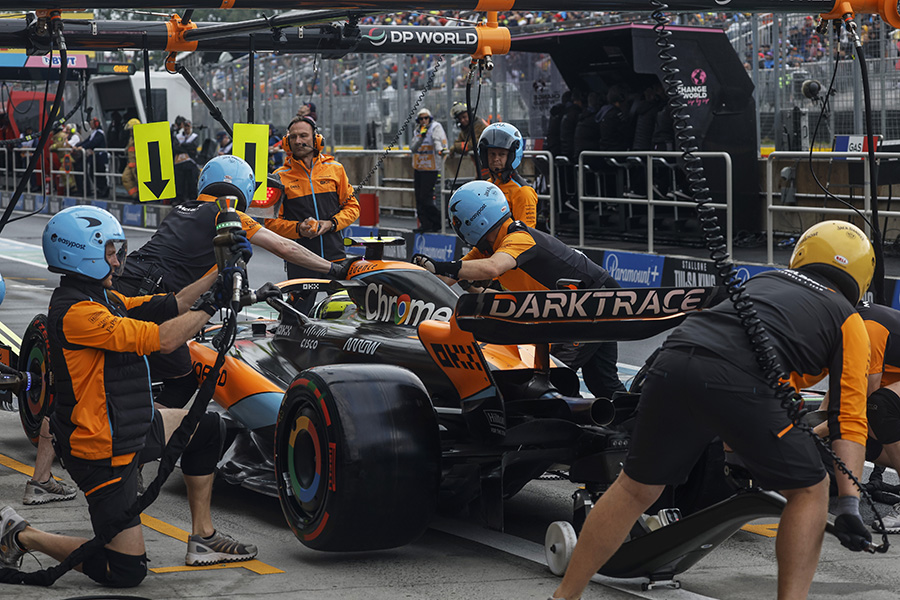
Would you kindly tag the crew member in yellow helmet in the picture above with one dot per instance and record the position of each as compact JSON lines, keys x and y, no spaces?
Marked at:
{"x":705,"y":382}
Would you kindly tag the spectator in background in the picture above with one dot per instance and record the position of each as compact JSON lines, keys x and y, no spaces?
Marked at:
{"x":568,"y":123}
{"x":644,"y":111}
{"x":429,"y":145}
{"x":308,"y":109}
{"x":587,"y":128}
{"x":615,"y":133}
{"x":276,"y":152}
{"x":93,"y":163}
{"x":224,"y":143}
{"x":553,"y":143}
{"x":464,"y":142}
{"x":186,"y":169}
{"x":129,"y":175}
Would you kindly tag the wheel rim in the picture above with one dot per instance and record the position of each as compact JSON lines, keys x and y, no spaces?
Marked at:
{"x":306,"y":465}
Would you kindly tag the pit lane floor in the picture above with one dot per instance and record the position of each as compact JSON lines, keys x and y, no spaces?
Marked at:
{"x":456,"y":558}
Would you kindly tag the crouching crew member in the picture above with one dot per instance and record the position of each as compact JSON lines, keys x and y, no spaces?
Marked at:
{"x":319,"y":200}
{"x":181,"y":251}
{"x":523,"y":258}
{"x":706,"y":382}
{"x":105,"y":422}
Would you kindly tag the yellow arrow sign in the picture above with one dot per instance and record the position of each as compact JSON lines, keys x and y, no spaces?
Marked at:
{"x":155,"y":167}
{"x":251,"y":142}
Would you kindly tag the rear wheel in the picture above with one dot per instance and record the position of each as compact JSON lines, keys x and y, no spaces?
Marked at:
{"x":357,"y":457}
{"x":37,"y":402}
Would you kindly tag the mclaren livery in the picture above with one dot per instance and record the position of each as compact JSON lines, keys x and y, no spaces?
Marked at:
{"x":396,"y":397}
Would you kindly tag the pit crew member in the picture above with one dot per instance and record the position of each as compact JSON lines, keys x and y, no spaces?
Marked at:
{"x":523,"y":258}
{"x":705,"y":381}
{"x":501,"y":148}
{"x":181,"y":251}
{"x":105,"y":423}
{"x":460,"y":113}
{"x":319,"y":200}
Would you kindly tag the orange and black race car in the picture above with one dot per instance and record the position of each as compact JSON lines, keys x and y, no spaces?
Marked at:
{"x":373,"y":401}
{"x":396,"y":396}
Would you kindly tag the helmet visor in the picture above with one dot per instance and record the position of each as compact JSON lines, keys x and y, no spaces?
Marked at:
{"x":116,"y":253}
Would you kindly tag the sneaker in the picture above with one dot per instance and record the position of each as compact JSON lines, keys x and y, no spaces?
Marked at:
{"x":891,"y":521}
{"x":11,"y":523}
{"x":49,"y":491}
{"x":217,"y":549}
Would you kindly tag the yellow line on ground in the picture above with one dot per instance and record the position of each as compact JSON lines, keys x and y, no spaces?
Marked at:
{"x":164,"y":528}
{"x":11,"y":334}
{"x":256,"y":566}
{"x":769,"y":530}
{"x":16,"y":465}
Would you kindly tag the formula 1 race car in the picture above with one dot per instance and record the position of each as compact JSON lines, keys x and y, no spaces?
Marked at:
{"x":395,"y":396}
{"x":370,"y":403}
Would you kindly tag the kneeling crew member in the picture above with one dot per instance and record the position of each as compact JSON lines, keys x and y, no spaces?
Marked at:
{"x":706,"y":382}
{"x":501,"y":148}
{"x":181,"y":251}
{"x":105,"y":422}
{"x":523,"y":258}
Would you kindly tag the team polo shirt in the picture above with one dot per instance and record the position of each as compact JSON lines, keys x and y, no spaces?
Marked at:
{"x":521,"y":197}
{"x":541,"y":260}
{"x":883,"y":326}
{"x":182,"y":249}
{"x":813,"y":329}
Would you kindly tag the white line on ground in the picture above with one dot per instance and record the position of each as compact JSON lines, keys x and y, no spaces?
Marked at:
{"x":535,"y":553}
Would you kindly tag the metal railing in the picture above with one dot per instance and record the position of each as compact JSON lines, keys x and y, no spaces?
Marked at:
{"x":646,"y":158}
{"x":858,"y":157}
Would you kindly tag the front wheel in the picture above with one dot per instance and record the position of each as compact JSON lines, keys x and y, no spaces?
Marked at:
{"x":37,"y":402}
{"x":357,"y":457}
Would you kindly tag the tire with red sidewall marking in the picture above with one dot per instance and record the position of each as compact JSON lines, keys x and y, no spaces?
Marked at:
{"x":34,"y":356}
{"x":357,"y":457}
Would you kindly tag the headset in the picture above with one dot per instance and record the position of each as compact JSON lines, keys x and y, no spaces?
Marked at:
{"x":318,"y":139}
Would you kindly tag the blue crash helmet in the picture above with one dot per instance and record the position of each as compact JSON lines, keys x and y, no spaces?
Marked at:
{"x":2,"y":289}
{"x":228,"y":175}
{"x":475,"y":209}
{"x":75,"y":239}
{"x":506,"y":136}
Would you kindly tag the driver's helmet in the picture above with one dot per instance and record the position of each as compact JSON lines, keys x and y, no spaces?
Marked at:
{"x":333,"y":306}
{"x":475,"y":209}
{"x":228,"y":175}
{"x":75,"y":239}
{"x":506,"y":136}
{"x":131,"y":123}
{"x":837,"y":249}
{"x":458,"y":109}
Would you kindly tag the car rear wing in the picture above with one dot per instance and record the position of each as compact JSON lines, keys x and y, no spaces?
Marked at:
{"x":579,"y":315}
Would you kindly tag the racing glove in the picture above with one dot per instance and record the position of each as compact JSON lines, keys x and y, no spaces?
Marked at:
{"x":340,"y":269}
{"x":851,"y":532}
{"x":215,"y":297}
{"x":447,"y":269}
{"x":241,"y":246}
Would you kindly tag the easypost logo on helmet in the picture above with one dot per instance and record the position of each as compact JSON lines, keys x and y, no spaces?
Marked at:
{"x":476,"y":215}
{"x":71,"y":244}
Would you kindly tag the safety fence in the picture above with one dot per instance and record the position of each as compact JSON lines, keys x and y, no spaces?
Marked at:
{"x":816,"y":206}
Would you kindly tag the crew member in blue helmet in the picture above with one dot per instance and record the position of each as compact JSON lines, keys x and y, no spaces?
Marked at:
{"x":501,"y":149}
{"x":523,"y":258}
{"x":104,"y":420}
{"x":181,"y":250}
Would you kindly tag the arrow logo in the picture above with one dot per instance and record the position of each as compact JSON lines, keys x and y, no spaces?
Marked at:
{"x":156,"y":184}
{"x":250,"y":157}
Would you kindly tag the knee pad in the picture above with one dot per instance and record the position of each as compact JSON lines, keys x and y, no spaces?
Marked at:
{"x":873,"y":449}
{"x":883,"y":413}
{"x":205,"y":448}
{"x":114,"y":569}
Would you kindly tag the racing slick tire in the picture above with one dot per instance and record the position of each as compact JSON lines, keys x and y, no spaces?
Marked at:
{"x":34,"y":356}
{"x":357,"y":457}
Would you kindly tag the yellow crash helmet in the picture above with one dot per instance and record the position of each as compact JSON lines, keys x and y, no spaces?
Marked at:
{"x":840,"y":245}
{"x":131,"y":123}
